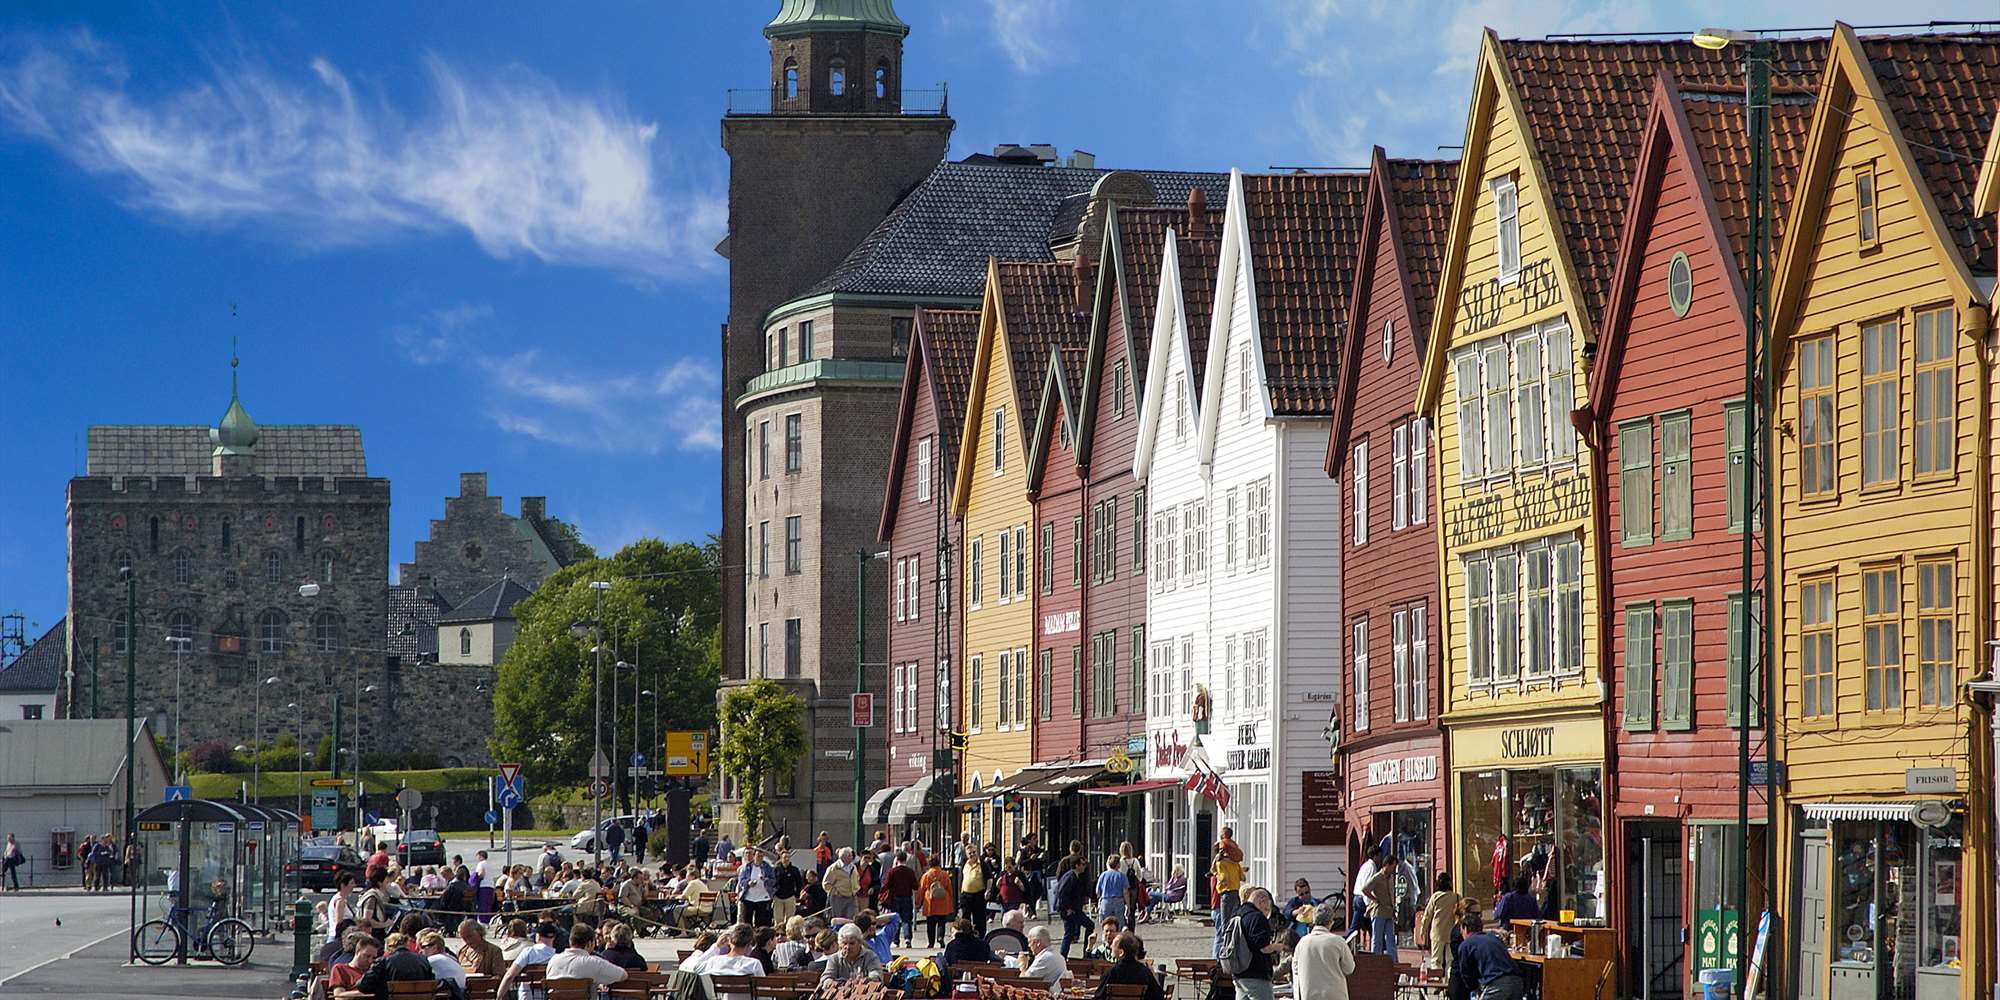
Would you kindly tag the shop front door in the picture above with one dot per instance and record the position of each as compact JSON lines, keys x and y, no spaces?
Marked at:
{"x":1810,"y":974}
{"x":1204,"y":848}
{"x":1658,"y":938}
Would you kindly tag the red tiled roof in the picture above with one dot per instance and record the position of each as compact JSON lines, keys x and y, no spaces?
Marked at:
{"x":1942,"y":91}
{"x":1716,"y":119}
{"x":1142,"y":236}
{"x":1423,"y":192}
{"x":1043,"y":311}
{"x":1073,"y":359}
{"x":1305,"y":234}
{"x":953,"y":337}
{"x":1199,"y":255}
{"x":1585,"y":105}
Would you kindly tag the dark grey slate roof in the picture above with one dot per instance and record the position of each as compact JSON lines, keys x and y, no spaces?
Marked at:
{"x":40,"y":668}
{"x":412,"y":623}
{"x":181,"y":450}
{"x":936,"y":241}
{"x":495,"y":603}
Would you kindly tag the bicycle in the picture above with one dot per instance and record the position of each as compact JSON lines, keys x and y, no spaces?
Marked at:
{"x":224,"y":939}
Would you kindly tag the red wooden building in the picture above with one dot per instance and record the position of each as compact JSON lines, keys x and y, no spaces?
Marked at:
{"x":1665,"y":411}
{"x":1391,"y":747}
{"x":922,"y":539}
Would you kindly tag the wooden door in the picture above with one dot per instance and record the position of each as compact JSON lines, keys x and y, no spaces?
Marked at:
{"x":1810,"y":970}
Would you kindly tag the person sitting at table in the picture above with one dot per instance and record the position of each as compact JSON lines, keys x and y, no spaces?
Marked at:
{"x":854,"y":960}
{"x":965,"y":946}
{"x":736,"y":960}
{"x":1323,"y":961}
{"x":433,"y":881}
{"x":431,"y":945}
{"x":791,"y":949}
{"x":340,"y":948}
{"x":514,"y":938}
{"x":455,"y":895}
{"x":812,"y":898}
{"x":880,"y":933}
{"x":1042,"y":961}
{"x":411,"y":925}
{"x":1129,"y":969}
{"x":578,"y":963}
{"x":704,"y":947}
{"x":363,"y":950}
{"x":824,"y":943}
{"x":760,"y":949}
{"x":477,"y":955}
{"x":614,"y":944}
{"x":1104,"y":947}
{"x":538,"y":953}
{"x":1302,"y":898}
{"x":398,"y":964}
{"x":1487,"y":970}
{"x":690,"y":915}
{"x":1520,"y":904}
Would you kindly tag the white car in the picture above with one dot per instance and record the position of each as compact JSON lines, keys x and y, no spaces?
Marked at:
{"x":385,"y":832}
{"x":582,"y":840}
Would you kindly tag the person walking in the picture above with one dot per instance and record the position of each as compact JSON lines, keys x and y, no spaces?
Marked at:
{"x":789,"y":881}
{"x":83,"y":861}
{"x":756,"y":885}
{"x":1254,"y":982}
{"x":1072,"y":896}
{"x":1434,"y":926}
{"x":972,"y":881}
{"x":614,"y":838}
{"x":842,"y":881}
{"x":1226,"y":883}
{"x":11,"y":860}
{"x":1380,"y":892}
{"x":1112,"y":887}
{"x":899,"y":895}
{"x":1323,"y":961}
{"x":340,"y":909}
{"x":940,"y":901}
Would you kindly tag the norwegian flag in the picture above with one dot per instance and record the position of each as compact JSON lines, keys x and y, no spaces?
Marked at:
{"x":1221,"y":795}
{"x":1193,"y":782}
{"x":1209,"y":783}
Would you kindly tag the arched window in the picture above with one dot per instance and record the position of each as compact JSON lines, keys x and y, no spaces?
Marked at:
{"x":791,"y":79}
{"x":153,"y":534}
{"x":225,"y":539}
{"x":882,"y":79}
{"x":465,"y":642}
{"x":299,"y":534}
{"x":271,"y":631}
{"x":274,"y":567}
{"x":325,"y":565}
{"x":836,"y":77}
{"x":180,"y":625}
{"x":183,"y":568}
{"x":326,"y":632}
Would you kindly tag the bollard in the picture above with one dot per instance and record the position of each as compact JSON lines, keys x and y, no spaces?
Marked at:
{"x":302,"y":932}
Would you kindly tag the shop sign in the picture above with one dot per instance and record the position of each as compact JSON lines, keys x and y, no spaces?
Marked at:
{"x":1397,"y":770}
{"x":1249,"y":760}
{"x":1930,"y":780}
{"x":1058,"y":622}
{"x":1532,"y":505}
{"x":1246,"y":734}
{"x":1168,"y":750}
{"x":1568,"y":737}
{"x":1527,"y":742}
{"x":1319,"y":809}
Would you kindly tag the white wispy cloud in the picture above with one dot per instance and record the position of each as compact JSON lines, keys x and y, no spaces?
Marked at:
{"x":648,"y":410}
{"x":1024,"y":29}
{"x":523,"y":167}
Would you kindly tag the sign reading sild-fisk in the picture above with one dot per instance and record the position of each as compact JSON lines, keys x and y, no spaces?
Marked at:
{"x":1484,"y":304}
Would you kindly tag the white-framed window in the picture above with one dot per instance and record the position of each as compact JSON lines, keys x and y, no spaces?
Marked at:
{"x":910,"y":698}
{"x":1388,"y":340}
{"x":1531,"y":409}
{"x":1197,"y":541}
{"x":898,"y":595}
{"x":1478,"y":619}
{"x":1229,"y":675}
{"x":1561,"y":389}
{"x":975,"y":589}
{"x":1257,"y":534}
{"x":916,"y":594}
{"x":942,"y":711}
{"x":1230,"y":529}
{"x":896,"y":699}
{"x":1360,"y":696}
{"x":1507,"y":226}
{"x":999,"y":440}
{"x":1170,"y":536}
{"x":1499,"y":408}
{"x":1420,"y":661}
{"x":1471,"y":417}
{"x":1399,"y":651}
{"x":1361,"y":492}
{"x":924,"y":468}
{"x":1020,"y":561}
{"x":1180,"y":412}
{"x":1243,"y":381}
{"x":1399,"y":479}
{"x":1187,"y":674}
{"x":1257,"y":668}
{"x":975,"y":693}
{"x":1006,"y":690}
{"x":1420,"y":470}
{"x":1006,"y":549}
{"x":1525,"y":611}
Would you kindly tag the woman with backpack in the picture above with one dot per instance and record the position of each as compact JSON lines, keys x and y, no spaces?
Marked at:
{"x":939,"y":899}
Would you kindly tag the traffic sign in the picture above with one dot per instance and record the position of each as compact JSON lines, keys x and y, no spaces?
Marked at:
{"x":332,"y":782}
{"x":599,"y":788}
{"x":509,"y":772}
{"x":492,"y":817}
{"x":636,"y":760}
{"x":685,"y":754}
{"x":410,"y":799}
{"x":179,"y":793}
{"x":508,"y":796}
{"x":861,"y":709}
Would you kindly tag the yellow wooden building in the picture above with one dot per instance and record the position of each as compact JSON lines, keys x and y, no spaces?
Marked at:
{"x":990,"y":499}
{"x":1881,"y":537}
{"x":1503,"y":370}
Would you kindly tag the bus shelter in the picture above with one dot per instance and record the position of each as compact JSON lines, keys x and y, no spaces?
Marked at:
{"x":191,"y":864}
{"x":268,"y":850}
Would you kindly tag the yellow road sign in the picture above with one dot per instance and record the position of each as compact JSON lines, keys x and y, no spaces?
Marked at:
{"x":685,"y":754}
{"x":332,"y":782}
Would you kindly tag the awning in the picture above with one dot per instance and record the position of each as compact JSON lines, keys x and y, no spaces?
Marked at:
{"x":1058,"y":779}
{"x":1884,"y":811}
{"x":911,"y":801}
{"x":1135,"y":788}
{"x":877,"y":810}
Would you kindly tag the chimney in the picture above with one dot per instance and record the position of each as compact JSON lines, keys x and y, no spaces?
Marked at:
{"x":472,"y":484}
{"x":1080,"y":273}
{"x":1197,"y":211}
{"x":534,"y":508}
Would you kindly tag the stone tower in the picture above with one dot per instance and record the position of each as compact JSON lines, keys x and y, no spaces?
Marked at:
{"x":817,"y":158}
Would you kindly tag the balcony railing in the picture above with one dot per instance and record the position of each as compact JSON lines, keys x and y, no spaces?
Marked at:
{"x":824,"y":369}
{"x":926,"y":103}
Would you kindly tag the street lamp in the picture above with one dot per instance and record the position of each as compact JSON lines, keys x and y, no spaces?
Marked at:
{"x":294,"y":706}
{"x":648,"y":695}
{"x":862,"y":558}
{"x":592,"y":630}
{"x":257,"y":724}
{"x":180,"y":646}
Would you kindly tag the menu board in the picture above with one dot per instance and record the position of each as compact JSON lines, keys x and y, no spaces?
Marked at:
{"x":1320,"y":821}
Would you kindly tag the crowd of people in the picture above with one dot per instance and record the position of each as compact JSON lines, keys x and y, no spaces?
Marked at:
{"x":102,"y":862}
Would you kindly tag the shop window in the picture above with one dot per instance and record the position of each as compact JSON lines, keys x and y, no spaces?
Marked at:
{"x":1881,"y":402}
{"x":1882,"y":638}
{"x":1936,"y":393}
{"x":1937,"y":634}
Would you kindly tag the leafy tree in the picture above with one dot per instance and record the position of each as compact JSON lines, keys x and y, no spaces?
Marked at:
{"x":661,"y":614}
{"x":214,"y":757}
{"x":763,"y":733}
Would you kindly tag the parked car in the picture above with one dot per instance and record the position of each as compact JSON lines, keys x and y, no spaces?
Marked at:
{"x":320,"y":864}
{"x":420,"y":847}
{"x":583,"y":840}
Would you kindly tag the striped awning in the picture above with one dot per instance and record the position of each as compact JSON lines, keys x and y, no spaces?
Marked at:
{"x":1880,"y":811}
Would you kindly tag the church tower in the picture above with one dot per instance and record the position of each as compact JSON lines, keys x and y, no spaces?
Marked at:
{"x":816,"y":159}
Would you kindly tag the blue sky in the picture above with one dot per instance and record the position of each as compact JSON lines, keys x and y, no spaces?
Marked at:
{"x":482,"y":232}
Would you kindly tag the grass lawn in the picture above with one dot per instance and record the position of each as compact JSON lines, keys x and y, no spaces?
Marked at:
{"x":280,"y":783}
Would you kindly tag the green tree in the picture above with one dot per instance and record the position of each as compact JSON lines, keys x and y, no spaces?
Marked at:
{"x":763,"y":733}
{"x":660,"y":616}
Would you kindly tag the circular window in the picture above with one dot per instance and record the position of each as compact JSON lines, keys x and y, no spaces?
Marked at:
{"x":1680,"y":284}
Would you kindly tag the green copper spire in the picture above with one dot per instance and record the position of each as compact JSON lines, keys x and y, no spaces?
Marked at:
{"x":801,"y":16}
{"x":237,"y":434}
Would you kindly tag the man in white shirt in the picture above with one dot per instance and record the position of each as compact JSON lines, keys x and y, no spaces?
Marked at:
{"x":1358,"y":916}
{"x":431,"y":943}
{"x":738,"y":961}
{"x":579,"y":963}
{"x":538,"y":953}
{"x":1323,"y":961}
{"x":1043,"y":962}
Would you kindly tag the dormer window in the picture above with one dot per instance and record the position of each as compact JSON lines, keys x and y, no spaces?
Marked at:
{"x":836,"y":77}
{"x":791,"y":79}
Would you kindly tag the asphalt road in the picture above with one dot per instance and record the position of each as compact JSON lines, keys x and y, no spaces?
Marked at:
{"x":30,"y":934}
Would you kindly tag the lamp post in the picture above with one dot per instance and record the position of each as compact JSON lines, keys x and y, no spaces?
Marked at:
{"x":649,"y":696}
{"x":180,"y":646}
{"x":131,"y":695}
{"x":1756,"y":485}
{"x":301,"y":748}
{"x":593,"y":630}
{"x":257,"y":727}
{"x":861,"y":560}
